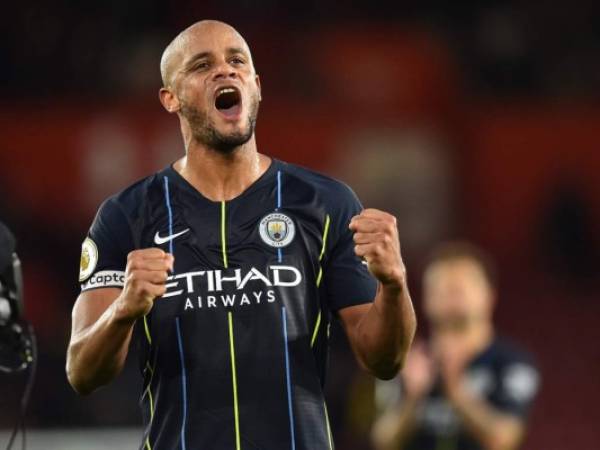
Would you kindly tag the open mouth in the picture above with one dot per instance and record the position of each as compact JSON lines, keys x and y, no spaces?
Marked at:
{"x":228,"y":101}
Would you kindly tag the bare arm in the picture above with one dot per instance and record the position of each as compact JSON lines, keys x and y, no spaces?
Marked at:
{"x":493,"y":429}
{"x":100,"y":337}
{"x":103,"y":320}
{"x":393,"y":428}
{"x":381,"y":333}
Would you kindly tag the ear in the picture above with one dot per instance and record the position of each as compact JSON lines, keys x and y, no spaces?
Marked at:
{"x":257,"y":78}
{"x":169,"y":101}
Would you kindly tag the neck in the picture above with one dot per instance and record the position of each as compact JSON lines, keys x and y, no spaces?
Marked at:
{"x":479,"y":338}
{"x":222,"y":176}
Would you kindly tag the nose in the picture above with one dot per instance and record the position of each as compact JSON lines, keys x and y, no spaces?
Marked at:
{"x":224,"y":70}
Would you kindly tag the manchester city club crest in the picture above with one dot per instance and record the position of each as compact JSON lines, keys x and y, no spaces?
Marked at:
{"x":277,"y":230}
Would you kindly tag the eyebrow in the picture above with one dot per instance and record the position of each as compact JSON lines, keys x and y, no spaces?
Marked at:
{"x":234,"y":50}
{"x":206,"y":54}
{"x":195,"y":58}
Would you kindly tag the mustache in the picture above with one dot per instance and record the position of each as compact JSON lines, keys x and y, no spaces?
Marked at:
{"x":205,"y":131}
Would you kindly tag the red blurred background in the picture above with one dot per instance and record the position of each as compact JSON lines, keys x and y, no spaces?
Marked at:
{"x":478,"y":121}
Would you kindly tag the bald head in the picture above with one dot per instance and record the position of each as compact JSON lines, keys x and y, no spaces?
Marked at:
{"x":203,"y":33}
{"x":209,"y":81}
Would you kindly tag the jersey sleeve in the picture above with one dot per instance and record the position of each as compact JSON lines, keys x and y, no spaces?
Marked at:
{"x":346,"y":279}
{"x":519,"y":384}
{"x":104,"y":250}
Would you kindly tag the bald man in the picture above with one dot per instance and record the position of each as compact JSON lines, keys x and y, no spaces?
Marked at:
{"x":226,"y":268}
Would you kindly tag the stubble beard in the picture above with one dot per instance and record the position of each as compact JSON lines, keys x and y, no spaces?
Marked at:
{"x":205,"y":132}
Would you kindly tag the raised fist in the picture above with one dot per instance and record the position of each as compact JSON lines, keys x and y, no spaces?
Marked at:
{"x":377,"y":242}
{"x":145,"y":278}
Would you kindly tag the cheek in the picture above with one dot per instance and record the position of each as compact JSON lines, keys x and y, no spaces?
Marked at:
{"x":193,"y":91}
{"x":445,"y":306}
{"x":253,"y":92}
{"x":436,"y":309}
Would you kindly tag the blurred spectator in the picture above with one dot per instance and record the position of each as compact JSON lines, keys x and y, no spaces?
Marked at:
{"x":465,"y":388}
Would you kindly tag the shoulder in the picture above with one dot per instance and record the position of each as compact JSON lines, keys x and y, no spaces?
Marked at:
{"x":516,"y":369}
{"x":506,"y":351}
{"x":335,"y":194}
{"x":135,"y":194}
{"x":129,"y":202}
{"x":122,"y":212}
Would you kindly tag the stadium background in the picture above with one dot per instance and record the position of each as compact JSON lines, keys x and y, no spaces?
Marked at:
{"x":479,"y":120}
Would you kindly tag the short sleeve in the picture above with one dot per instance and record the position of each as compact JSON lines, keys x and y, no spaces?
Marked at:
{"x":104,"y":250}
{"x":347,"y":281}
{"x":519,"y":384}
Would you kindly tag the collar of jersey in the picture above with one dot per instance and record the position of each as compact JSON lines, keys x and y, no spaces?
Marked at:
{"x":265,"y":178}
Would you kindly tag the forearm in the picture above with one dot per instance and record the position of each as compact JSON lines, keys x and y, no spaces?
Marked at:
{"x":96,"y":354}
{"x":392,"y":430}
{"x":385,"y":332}
{"x":491,"y":428}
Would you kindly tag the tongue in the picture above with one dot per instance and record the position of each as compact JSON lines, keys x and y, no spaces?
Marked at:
{"x":232,"y":111}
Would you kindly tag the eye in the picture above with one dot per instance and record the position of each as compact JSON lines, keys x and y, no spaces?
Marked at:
{"x":237,"y":60}
{"x":202,"y":65}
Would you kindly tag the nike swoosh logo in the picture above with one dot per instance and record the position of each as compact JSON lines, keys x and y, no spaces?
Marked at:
{"x":161,"y":240}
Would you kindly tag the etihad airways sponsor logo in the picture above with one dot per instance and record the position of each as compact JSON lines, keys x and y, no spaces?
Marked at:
{"x":230,"y":300}
{"x":214,"y":288}
{"x":233,"y":279}
{"x":218,"y":288}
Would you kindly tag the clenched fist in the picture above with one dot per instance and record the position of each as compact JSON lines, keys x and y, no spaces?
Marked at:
{"x":377,"y":242}
{"x":145,"y":277}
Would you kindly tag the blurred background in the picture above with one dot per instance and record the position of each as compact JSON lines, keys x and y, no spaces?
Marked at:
{"x":472,"y":119}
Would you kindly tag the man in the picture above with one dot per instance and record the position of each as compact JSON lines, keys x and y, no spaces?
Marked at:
{"x":226,"y":269}
{"x":470,"y":389}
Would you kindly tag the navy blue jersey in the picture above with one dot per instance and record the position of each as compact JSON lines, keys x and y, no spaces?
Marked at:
{"x":502,"y":374}
{"x":234,"y":355}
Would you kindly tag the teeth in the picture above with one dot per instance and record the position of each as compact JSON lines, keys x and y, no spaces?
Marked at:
{"x":226,"y":90}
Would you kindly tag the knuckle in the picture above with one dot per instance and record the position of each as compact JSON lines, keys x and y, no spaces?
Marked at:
{"x":155,"y":251}
{"x":162,"y":277}
{"x":134,"y":255}
{"x":160,"y":291}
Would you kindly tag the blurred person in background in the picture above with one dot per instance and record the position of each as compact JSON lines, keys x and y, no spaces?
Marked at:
{"x":466,"y":388}
{"x":226,"y":268}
